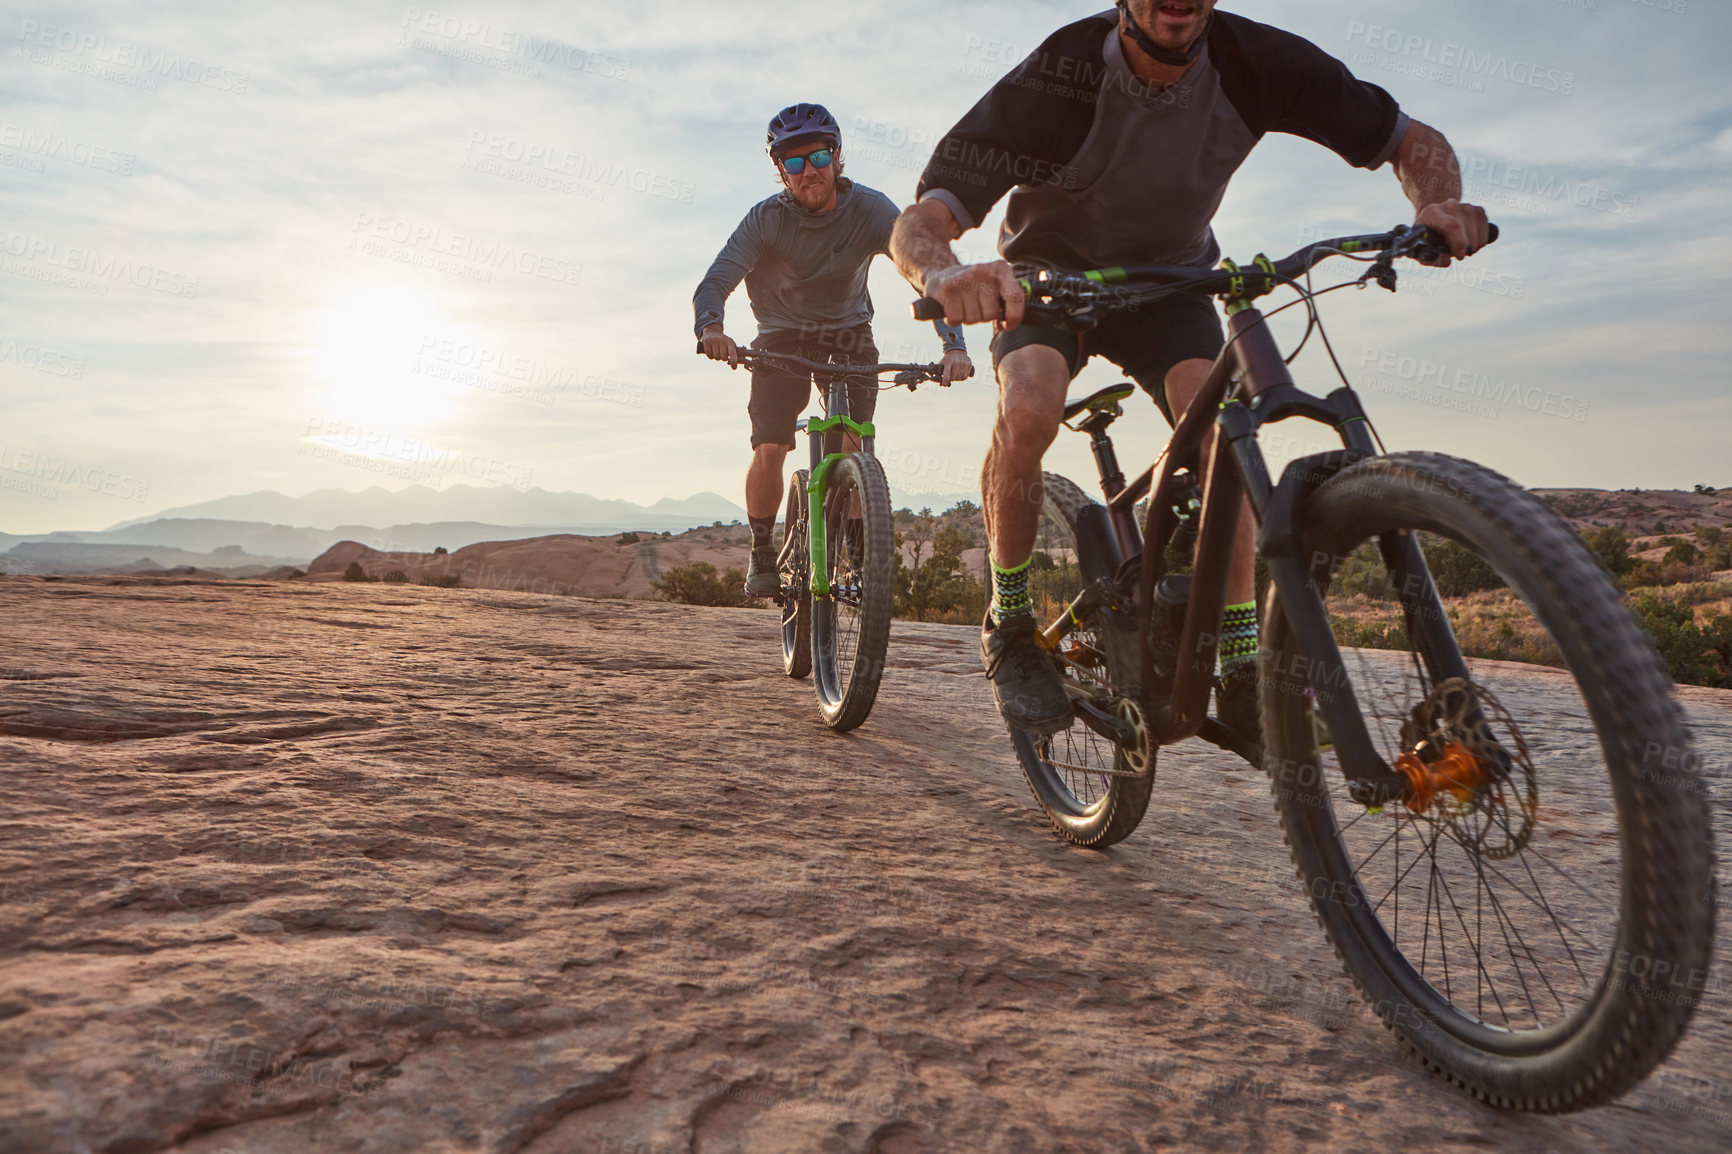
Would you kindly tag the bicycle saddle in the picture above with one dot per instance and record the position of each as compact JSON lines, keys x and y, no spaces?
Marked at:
{"x":1106,"y":398}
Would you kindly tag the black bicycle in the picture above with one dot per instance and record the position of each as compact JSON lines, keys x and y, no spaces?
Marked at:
{"x":1516,"y":870}
{"x":839,"y":568}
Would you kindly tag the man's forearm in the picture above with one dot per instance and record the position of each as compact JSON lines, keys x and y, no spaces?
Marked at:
{"x":1426,"y":166}
{"x":920,"y":242}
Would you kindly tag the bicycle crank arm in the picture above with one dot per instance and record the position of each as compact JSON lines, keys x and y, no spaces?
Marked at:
{"x":1112,"y":728}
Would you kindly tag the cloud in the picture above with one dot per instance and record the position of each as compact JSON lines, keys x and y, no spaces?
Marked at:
{"x":202,"y":186}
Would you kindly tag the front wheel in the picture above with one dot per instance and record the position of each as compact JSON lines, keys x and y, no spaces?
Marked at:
{"x":851,"y":623}
{"x":1535,"y":919}
{"x":1093,"y":789}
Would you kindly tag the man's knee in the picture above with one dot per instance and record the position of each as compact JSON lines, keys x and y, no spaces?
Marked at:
{"x":1184,"y":381}
{"x":1032,"y":383}
{"x":769,"y":456}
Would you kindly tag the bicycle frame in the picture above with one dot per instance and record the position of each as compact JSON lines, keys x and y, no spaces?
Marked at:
{"x":1248,"y":387}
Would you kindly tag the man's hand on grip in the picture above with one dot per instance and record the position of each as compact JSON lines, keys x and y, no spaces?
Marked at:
{"x":1462,"y":225}
{"x":974,"y":293}
{"x":719,"y":346}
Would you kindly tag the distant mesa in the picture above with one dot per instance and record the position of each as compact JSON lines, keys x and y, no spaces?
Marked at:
{"x":565,"y":564}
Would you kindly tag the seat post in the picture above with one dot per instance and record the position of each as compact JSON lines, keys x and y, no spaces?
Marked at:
{"x":1106,"y":460}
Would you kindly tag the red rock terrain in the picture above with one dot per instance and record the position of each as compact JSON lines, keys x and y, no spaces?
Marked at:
{"x":296,"y":867}
{"x":562,"y":564}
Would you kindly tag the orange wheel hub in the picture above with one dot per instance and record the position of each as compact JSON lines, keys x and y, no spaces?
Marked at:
{"x":1457,"y":771}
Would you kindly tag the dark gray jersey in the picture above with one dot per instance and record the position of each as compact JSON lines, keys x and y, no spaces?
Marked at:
{"x":804,"y":270}
{"x":1104,"y":171}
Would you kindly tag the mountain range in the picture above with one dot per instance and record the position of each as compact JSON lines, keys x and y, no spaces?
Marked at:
{"x":267,"y":528}
{"x":419,"y":504}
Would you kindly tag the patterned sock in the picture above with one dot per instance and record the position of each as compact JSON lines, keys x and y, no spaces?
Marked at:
{"x":762,"y":527}
{"x":1238,"y":637}
{"x":1010,"y":592}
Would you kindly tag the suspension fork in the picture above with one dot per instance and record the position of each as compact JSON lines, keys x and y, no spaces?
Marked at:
{"x":826,"y":438}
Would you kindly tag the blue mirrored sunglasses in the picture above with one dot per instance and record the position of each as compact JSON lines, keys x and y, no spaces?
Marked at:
{"x":795,"y":165}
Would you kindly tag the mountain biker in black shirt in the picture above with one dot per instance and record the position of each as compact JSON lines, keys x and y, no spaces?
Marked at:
{"x":1115,"y":140}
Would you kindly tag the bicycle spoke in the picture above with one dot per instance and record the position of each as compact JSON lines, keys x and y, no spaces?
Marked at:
{"x":1480,"y":972}
{"x":1507,"y":926}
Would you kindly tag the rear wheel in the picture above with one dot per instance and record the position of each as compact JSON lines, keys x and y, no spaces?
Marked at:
{"x":795,"y":565}
{"x":1093,"y":789}
{"x":851,"y":624}
{"x":1535,"y":921}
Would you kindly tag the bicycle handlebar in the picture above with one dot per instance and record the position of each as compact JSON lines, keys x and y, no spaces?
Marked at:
{"x":1080,"y":291}
{"x":905,"y":373}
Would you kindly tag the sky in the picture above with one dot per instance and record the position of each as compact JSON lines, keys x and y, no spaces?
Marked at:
{"x":301,"y":246}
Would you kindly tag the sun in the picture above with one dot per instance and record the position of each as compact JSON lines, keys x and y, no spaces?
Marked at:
{"x":370,"y":352}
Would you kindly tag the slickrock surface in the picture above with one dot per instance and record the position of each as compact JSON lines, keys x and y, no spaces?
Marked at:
{"x":295,"y":867}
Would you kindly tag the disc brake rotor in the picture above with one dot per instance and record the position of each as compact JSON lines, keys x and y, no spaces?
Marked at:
{"x":1460,"y":772}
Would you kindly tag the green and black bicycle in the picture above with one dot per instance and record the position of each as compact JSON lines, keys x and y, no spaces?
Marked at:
{"x":839,"y":568}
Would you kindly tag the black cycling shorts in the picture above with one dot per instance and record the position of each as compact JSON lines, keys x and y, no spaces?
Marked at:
{"x":1144,"y":342}
{"x":778,"y":397}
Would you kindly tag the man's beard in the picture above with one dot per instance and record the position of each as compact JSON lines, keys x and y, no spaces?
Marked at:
{"x":814,"y":198}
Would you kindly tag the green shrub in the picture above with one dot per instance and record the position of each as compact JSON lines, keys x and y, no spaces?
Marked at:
{"x":443,"y":581}
{"x":438,"y":550}
{"x":355,"y":573}
{"x":1458,"y":570}
{"x":699,"y":584}
{"x":629,"y":538}
{"x":1363,"y":572}
{"x":936,"y":587}
{"x":1682,"y":553}
{"x":395,"y":577}
{"x":1694,"y":654}
{"x":1612,"y":548}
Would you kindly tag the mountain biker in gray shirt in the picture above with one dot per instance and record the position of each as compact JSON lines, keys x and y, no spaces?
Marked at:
{"x":1115,"y":140}
{"x":803,"y":254}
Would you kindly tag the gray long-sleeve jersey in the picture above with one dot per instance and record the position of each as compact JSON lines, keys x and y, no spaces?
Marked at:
{"x":805,"y":270}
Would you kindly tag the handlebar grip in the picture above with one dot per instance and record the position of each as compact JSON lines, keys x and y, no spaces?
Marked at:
{"x":1492,"y":234}
{"x":700,"y":348}
{"x":927,"y":309}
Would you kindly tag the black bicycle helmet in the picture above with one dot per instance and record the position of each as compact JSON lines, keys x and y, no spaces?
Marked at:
{"x":800,"y":124}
